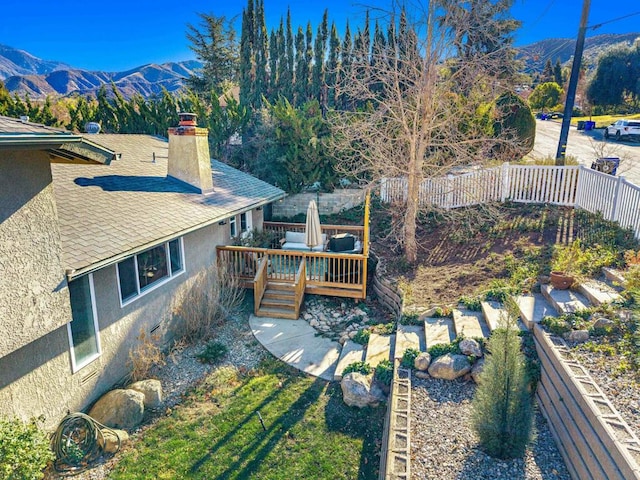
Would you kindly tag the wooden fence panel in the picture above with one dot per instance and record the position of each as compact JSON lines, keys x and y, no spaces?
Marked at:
{"x":572,"y":186}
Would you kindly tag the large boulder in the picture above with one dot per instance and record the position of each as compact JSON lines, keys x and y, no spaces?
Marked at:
{"x":152,"y":391}
{"x":359,"y":391}
{"x":422,"y":361}
{"x":449,"y":366}
{"x":469,"y":346}
{"x":119,"y":408}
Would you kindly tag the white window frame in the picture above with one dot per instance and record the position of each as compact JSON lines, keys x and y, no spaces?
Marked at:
{"x":77,"y":366}
{"x":171,"y":274}
{"x":248,"y":220}
{"x":233,"y":227}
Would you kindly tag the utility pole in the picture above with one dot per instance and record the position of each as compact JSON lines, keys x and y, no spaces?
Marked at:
{"x":573,"y":84}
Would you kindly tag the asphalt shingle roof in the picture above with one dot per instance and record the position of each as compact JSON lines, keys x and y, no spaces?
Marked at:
{"x":109,"y":211}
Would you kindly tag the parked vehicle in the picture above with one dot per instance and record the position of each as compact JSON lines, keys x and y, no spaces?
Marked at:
{"x":623,"y":130}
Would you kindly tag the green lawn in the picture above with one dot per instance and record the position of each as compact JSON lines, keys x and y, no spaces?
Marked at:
{"x":604,"y":120}
{"x":216,"y":433}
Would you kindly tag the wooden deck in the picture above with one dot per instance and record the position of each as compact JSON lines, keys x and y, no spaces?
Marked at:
{"x":280,"y":278}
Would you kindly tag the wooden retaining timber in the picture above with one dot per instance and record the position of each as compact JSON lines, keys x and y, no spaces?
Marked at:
{"x":395,"y":458}
{"x":595,"y":442}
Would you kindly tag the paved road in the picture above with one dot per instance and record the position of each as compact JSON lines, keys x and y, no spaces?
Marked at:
{"x":586,"y":147}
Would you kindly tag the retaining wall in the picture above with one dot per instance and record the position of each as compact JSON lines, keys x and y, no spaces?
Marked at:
{"x":328,"y":203}
{"x":595,"y":442}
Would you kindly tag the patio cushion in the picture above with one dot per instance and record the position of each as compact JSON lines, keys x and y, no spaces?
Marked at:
{"x":295,"y":241}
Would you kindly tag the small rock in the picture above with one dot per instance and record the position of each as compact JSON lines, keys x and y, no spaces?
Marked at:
{"x":359,"y":391}
{"x":113,"y":440}
{"x":468,"y":346}
{"x":152,"y":391}
{"x":353,"y":333}
{"x":476,"y":370}
{"x":308,"y":316}
{"x":603,"y":322}
{"x":343,"y":339}
{"x":336,"y":314}
{"x":421,"y":375}
{"x":314,"y":323}
{"x":449,"y":366}
{"x":422,"y":361}
{"x":577,"y":336}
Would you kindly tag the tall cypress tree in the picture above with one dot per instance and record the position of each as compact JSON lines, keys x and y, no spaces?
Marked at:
{"x":273,"y":65}
{"x":320,"y":50}
{"x":557,"y":72}
{"x":333,"y":66}
{"x":346,"y":64}
{"x":300,"y":81}
{"x":378,"y":54}
{"x":247,"y":56}
{"x":282,"y":60}
{"x":286,"y":82}
{"x":261,"y":52}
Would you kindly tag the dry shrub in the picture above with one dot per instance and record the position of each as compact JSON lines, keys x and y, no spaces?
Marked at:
{"x":205,"y":302}
{"x":144,"y":356}
{"x":632,"y":258}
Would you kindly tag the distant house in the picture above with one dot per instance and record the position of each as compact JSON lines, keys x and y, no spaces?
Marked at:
{"x":97,"y":233}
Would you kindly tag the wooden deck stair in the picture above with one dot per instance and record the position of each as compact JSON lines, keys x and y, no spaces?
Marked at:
{"x":278,"y":301}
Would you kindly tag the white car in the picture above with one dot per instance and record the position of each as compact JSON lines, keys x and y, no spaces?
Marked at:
{"x":623,"y":129}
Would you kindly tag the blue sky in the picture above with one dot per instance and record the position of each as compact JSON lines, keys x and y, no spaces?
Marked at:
{"x":117,"y":34}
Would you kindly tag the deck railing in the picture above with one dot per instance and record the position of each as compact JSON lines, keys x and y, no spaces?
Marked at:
{"x":326,"y":273}
{"x":300,"y":286}
{"x":281,"y":228}
{"x":260,"y":281}
{"x":575,"y":186}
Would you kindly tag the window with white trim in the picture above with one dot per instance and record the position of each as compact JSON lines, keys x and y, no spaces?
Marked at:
{"x":246,"y":222}
{"x":83,"y":331}
{"x":232,"y":227}
{"x":147,"y":270}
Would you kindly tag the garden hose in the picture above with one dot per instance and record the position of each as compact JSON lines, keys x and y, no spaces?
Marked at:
{"x":77,"y":442}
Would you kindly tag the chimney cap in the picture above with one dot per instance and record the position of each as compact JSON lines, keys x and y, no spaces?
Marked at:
{"x":187,"y":119}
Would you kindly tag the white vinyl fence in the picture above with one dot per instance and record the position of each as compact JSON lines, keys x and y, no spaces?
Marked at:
{"x":573,"y":186}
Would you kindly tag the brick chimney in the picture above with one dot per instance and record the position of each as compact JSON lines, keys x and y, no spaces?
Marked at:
{"x":189,"y":159}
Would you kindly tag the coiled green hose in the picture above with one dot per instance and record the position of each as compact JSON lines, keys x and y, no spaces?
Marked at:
{"x":77,"y":442}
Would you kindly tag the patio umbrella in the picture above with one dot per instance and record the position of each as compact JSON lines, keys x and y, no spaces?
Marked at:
{"x":313,"y":230}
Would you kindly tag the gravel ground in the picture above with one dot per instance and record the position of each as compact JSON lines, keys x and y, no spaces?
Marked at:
{"x":181,"y":372}
{"x":622,"y":390}
{"x":444,"y":446}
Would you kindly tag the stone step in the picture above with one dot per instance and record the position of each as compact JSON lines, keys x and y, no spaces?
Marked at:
{"x":351,"y":352}
{"x":614,"y":276}
{"x":533,"y":308}
{"x":497,"y":316}
{"x":470,"y":324}
{"x":564,"y":301}
{"x":409,"y":336}
{"x":438,"y":330}
{"x":598,"y":292}
{"x":494,"y":314}
{"x":378,"y":349}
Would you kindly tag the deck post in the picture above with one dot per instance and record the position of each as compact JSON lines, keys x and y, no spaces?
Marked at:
{"x":365,"y":237}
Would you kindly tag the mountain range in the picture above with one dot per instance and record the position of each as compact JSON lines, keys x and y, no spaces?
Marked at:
{"x":536,"y":55}
{"x":24,"y":73}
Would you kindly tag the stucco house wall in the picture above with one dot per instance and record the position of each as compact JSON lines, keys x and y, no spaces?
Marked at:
{"x":37,"y":379}
{"x":34,"y":299}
